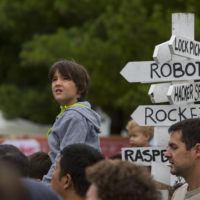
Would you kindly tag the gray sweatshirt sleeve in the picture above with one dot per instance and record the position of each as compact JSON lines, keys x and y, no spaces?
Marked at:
{"x":72,"y":129}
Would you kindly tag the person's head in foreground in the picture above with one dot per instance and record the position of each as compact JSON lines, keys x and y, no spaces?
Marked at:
{"x":183,"y":151}
{"x":69,"y":179}
{"x":139,"y":136}
{"x":120,"y":180}
{"x":15,"y":158}
{"x":39,"y":165}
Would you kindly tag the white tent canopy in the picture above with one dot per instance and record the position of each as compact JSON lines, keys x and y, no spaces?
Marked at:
{"x":21,"y":127}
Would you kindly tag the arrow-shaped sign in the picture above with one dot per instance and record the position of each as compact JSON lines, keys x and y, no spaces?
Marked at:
{"x":184,"y":47}
{"x":149,"y":71}
{"x":184,"y":93}
{"x":164,"y":115}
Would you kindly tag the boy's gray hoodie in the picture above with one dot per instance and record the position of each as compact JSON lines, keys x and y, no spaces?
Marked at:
{"x":77,"y":124}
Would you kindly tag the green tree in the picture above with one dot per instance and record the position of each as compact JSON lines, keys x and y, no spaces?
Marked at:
{"x":101,"y":35}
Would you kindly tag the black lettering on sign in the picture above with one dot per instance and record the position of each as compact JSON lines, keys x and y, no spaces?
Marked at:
{"x":191,"y":46}
{"x":197,"y":92}
{"x":193,"y":115}
{"x":176,"y":45}
{"x":169,"y":115}
{"x":186,"y":46}
{"x":183,"y":93}
{"x":148,"y":114}
{"x":148,"y":156}
{"x":138,"y":156}
{"x":154,"y":68}
{"x":190,"y":69}
{"x":180,"y":113}
{"x":169,"y":71}
{"x":198,"y":63}
{"x":191,"y":91}
{"x":181,"y":45}
{"x":155,"y":153}
{"x":198,"y":52}
{"x":145,"y":155}
{"x":129,"y":155}
{"x":163,"y":158}
{"x":178,"y":70}
{"x":161,"y":115}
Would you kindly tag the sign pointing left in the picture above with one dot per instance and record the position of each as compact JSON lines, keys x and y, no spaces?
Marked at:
{"x":149,"y":71}
{"x":164,"y":115}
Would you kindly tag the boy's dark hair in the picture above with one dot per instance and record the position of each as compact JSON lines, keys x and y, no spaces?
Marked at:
{"x":190,"y":129}
{"x":12,"y":156}
{"x":39,"y":164}
{"x":75,"y":159}
{"x":72,"y":71}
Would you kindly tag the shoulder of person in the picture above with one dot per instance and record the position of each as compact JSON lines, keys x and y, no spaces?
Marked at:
{"x":180,"y":192}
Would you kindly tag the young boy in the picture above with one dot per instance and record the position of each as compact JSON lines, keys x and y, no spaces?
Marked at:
{"x":77,"y":122}
{"x":139,"y":136}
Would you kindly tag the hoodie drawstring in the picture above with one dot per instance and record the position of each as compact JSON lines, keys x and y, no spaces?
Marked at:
{"x":62,"y":109}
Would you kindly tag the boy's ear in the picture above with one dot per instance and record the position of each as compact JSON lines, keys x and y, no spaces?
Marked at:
{"x":66,"y":181}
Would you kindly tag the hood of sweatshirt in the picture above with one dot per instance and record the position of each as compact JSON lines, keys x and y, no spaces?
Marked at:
{"x":84,"y":108}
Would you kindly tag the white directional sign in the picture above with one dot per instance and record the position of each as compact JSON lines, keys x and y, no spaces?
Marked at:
{"x":150,"y":71}
{"x":184,"y":93}
{"x":183,"y":26}
{"x":145,"y":155}
{"x":158,"y":92}
{"x":162,"y":53}
{"x":184,"y":47}
{"x":161,"y":173}
{"x":164,"y":115}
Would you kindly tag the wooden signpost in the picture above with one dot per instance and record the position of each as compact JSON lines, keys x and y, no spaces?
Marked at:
{"x":177,"y":63}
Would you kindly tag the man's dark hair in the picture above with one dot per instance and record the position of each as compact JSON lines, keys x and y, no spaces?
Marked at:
{"x":72,"y":71}
{"x":75,"y":159}
{"x":12,"y":156}
{"x":122,"y":180}
{"x":190,"y":129}
{"x":39,"y":164}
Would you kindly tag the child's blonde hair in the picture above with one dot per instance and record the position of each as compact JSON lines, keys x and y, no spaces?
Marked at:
{"x":146,"y":130}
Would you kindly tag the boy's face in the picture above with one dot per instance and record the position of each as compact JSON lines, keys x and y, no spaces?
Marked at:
{"x":137,"y":138}
{"x":64,"y":90}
